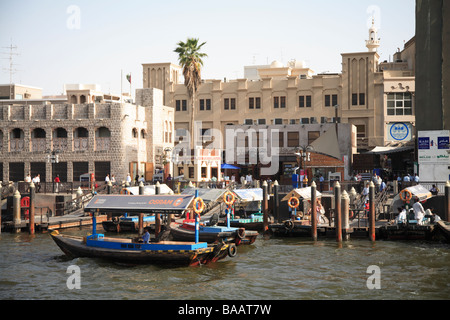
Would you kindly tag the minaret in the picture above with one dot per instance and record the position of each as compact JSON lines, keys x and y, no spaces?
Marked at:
{"x":374,"y":42}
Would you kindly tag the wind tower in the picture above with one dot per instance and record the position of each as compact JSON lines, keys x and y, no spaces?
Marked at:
{"x":374,"y":42}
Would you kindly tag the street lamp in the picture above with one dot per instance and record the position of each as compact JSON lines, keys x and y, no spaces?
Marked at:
{"x":304,"y":152}
{"x":53,"y":157}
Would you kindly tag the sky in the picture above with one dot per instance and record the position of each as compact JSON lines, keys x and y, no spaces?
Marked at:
{"x":61,"y":42}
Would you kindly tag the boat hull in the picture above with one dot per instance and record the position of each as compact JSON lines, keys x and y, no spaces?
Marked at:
{"x":294,"y":229}
{"x":136,"y":254}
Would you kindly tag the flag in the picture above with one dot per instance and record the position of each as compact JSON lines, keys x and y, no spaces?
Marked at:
{"x":129,"y":77}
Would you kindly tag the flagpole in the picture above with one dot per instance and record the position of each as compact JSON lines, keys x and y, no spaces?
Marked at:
{"x":121,"y":90}
{"x":131,"y":96}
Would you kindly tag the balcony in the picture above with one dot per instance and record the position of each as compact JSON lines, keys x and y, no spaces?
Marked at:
{"x":102,"y":144}
{"x":17,"y":145}
{"x":38,"y":144}
{"x":80,"y":144}
{"x":60,"y":144}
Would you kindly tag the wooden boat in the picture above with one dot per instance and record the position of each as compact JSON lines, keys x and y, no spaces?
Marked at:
{"x":253,"y":222}
{"x":442,"y":229}
{"x":127,"y":224}
{"x":403,"y":231}
{"x":212,"y":234}
{"x":297,"y":228}
{"x":127,"y":251}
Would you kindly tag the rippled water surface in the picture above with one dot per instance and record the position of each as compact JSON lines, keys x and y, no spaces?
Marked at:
{"x":33,"y":267}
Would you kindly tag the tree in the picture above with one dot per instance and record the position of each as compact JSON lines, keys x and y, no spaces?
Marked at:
{"x":190,"y":59}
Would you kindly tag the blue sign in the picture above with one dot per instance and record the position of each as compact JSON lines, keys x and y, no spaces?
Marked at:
{"x":443,"y":142}
{"x":399,"y":131}
{"x":424,"y":143}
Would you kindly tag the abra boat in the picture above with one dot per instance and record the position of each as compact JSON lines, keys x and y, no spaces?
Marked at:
{"x":127,"y":251}
{"x":212,"y":234}
{"x":298,"y":228}
{"x":127,"y":224}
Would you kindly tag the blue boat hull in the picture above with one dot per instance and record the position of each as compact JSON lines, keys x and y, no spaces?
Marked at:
{"x":125,"y":251}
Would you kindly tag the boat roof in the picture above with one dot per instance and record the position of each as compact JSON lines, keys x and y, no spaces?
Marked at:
{"x":207,"y":195}
{"x":248,"y":195}
{"x":150,"y":190}
{"x":140,"y":203}
{"x":301,"y":193}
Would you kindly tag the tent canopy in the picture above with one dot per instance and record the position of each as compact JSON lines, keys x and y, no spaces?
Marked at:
{"x":207,"y":195}
{"x":301,"y":193}
{"x":417,"y":191}
{"x":388,"y":150}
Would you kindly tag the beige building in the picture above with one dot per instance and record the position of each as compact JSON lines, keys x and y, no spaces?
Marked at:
{"x":369,"y":94}
{"x":19,"y":91}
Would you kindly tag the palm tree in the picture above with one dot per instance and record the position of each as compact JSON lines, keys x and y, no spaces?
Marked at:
{"x":190,"y":58}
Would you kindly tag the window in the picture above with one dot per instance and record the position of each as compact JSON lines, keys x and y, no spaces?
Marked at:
{"x":293,"y":139}
{"x":278,"y":121}
{"x":334,"y":100}
{"x":360,"y":130}
{"x":331,"y":100}
{"x":304,"y":101}
{"x":278,"y":137}
{"x":312,"y":136}
{"x":362,"y":99}
{"x":327,"y":100}
{"x":399,"y":104}
{"x":229,"y":103}
{"x":261,"y":121}
{"x":180,"y":105}
{"x":279,"y":102}
{"x":248,"y":121}
{"x":304,"y":120}
{"x":354,"y":99}
{"x":254,"y":103}
{"x":205,"y":104}
{"x":276,"y":102}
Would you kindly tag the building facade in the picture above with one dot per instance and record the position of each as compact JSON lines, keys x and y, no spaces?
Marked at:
{"x":377,"y":97}
{"x":99,"y":138}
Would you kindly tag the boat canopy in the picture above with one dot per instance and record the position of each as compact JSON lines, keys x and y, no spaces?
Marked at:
{"x":301,"y":193}
{"x":207,"y":195}
{"x":248,"y":195}
{"x":418,"y":191}
{"x":166,"y":204}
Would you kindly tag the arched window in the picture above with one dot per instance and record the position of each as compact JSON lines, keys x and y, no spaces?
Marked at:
{"x":82,"y":99}
{"x":102,"y":139}
{"x":134,"y":133}
{"x":143,"y":134}
{"x":59,"y":139}
{"x":80,"y":139}
{"x":73,"y":99}
{"x":38,"y":133}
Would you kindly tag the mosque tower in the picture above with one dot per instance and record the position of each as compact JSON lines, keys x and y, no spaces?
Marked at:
{"x":374,"y":42}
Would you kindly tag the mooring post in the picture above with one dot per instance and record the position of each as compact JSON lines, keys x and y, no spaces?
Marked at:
{"x":16,"y":211}
{"x":141,"y":215}
{"x":197,"y":220}
{"x":31,"y":209}
{"x":265,"y":207}
{"x":345,"y":214}
{"x":337,"y":211}
{"x":0,"y":210}
{"x":447,"y":201}
{"x":109,"y":187}
{"x":313,"y":211}
{"x":158,"y":215}
{"x":275,"y":201}
{"x":371,"y":211}
{"x":79,"y":197}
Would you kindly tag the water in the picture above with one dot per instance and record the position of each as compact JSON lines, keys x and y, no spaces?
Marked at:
{"x":33,"y":267}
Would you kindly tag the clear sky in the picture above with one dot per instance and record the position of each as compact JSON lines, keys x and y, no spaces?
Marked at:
{"x":78,"y":41}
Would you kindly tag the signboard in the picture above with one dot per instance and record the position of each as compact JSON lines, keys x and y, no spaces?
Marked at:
{"x":139,"y":203}
{"x":433,"y":146}
{"x":399,"y":131}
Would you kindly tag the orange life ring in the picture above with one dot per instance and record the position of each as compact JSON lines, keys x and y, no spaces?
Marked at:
{"x":405,"y":195}
{"x":295,"y":204}
{"x":225,"y":198}
{"x":197,"y":209}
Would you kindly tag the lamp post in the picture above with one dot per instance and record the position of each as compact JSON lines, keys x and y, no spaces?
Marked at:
{"x":304,"y":152}
{"x":53,"y":157}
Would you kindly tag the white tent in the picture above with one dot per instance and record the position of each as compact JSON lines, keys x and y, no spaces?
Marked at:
{"x":150,"y":189}
{"x":301,"y":193}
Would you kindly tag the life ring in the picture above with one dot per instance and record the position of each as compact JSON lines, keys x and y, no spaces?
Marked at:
{"x":123,"y":191}
{"x":405,"y":195}
{"x":198,"y":210}
{"x":295,"y":204}
{"x":232,"y":250}
{"x":241,"y":233}
{"x":225,"y":198}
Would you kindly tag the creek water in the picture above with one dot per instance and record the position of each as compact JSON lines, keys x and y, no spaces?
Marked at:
{"x":33,"y":267}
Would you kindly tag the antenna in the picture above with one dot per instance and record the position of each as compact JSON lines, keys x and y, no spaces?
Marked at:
{"x":11,"y":70}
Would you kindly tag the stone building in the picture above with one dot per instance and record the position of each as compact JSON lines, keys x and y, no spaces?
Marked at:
{"x":99,"y":138}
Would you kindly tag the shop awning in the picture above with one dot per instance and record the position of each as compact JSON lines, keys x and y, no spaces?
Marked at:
{"x":139,"y":204}
{"x":387,"y":150}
